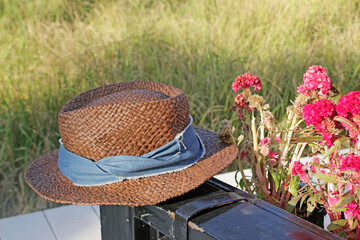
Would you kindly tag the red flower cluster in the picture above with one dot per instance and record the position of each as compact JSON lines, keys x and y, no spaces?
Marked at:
{"x":317,"y":112}
{"x":350,"y":162}
{"x":246,"y":80}
{"x":349,"y":105}
{"x":315,"y":79}
{"x":320,"y":114}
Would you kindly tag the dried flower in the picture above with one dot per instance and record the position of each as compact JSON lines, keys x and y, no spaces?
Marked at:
{"x":266,"y":106}
{"x":315,"y":80}
{"x":301,"y":100}
{"x":226,"y":131}
{"x":269,"y":121}
{"x":265,"y":149}
{"x":299,"y":103}
{"x":256,"y":102}
{"x":246,"y":80}
{"x":240,"y":139}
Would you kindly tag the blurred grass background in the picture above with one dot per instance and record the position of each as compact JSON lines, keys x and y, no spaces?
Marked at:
{"x":52,"y":50}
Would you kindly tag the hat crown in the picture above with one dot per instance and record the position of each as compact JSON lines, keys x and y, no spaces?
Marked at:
{"x":131,"y":118}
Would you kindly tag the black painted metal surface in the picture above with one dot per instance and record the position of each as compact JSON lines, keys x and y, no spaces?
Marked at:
{"x":214,"y":210}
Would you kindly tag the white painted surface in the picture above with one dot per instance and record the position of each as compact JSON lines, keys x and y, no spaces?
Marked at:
{"x":97,"y":210}
{"x":28,"y":226}
{"x":74,"y":222}
{"x":229,"y":177}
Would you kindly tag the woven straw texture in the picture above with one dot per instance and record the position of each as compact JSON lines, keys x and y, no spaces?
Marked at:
{"x":126,"y":119}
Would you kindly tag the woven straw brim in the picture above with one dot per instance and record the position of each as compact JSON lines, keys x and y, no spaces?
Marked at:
{"x":44,"y":176}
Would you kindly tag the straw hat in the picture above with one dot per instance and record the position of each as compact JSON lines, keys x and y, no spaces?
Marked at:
{"x":131,"y":119}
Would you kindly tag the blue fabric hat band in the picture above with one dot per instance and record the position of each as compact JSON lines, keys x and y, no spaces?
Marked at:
{"x":182,"y":152}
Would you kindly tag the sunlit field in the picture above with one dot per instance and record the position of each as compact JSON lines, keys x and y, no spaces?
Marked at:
{"x":50,"y":51}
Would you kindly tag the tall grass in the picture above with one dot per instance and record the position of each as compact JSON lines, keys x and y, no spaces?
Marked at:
{"x":52,"y":50}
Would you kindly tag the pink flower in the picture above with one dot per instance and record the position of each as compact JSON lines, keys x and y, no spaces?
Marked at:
{"x":349,"y":105}
{"x":299,"y":169}
{"x":244,"y":153}
{"x":320,"y":114}
{"x":315,"y":113}
{"x":273,"y":155}
{"x":315,"y":168}
{"x":277,"y":138}
{"x":352,"y":210}
{"x":240,"y":101}
{"x":333,"y":198}
{"x":315,"y":79}
{"x":246,"y":80}
{"x":240,"y":114}
{"x":265,"y":141}
{"x":350,"y":162}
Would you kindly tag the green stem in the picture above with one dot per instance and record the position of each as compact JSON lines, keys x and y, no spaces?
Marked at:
{"x":246,"y":183}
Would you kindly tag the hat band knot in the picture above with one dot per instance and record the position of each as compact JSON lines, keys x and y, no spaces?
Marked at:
{"x":182,"y":152}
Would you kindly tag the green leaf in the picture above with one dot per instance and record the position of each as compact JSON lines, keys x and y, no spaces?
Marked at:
{"x":326,"y":178}
{"x":304,"y":198}
{"x":236,"y":178}
{"x":337,"y":224}
{"x":308,"y":139}
{"x":292,"y":203}
{"x":341,"y":234}
{"x":311,"y":204}
{"x":294,"y":185}
{"x":317,"y":197}
{"x":350,"y":221}
{"x":346,"y":199}
{"x":241,"y":183}
{"x":276,"y":178}
{"x":354,"y":224}
{"x":336,"y":145}
{"x":341,"y":222}
{"x":336,"y":209}
{"x":347,"y":123}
